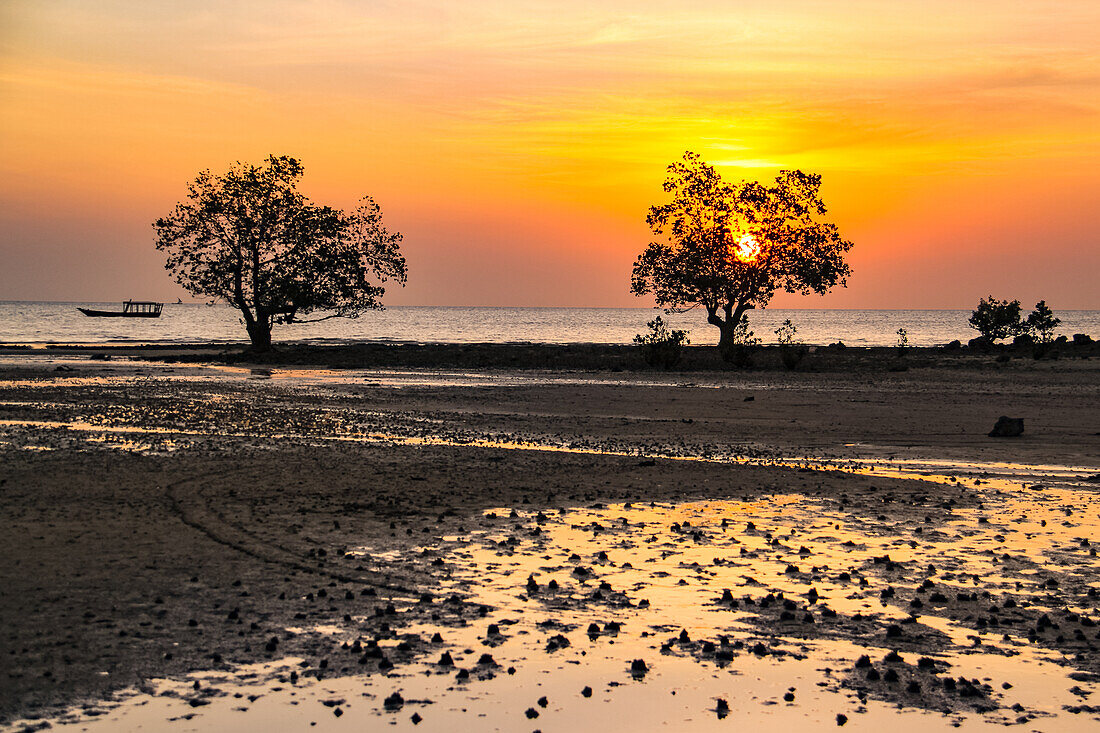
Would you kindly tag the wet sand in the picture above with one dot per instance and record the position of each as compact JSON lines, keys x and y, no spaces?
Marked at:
{"x":169,"y":519}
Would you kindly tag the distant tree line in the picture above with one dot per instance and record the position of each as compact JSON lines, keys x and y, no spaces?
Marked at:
{"x":996,"y":319}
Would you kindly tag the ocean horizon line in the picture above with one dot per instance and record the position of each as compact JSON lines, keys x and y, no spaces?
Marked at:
{"x":556,"y":307}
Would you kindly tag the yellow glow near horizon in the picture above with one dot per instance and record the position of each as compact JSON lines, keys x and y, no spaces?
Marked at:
{"x":518,"y":146}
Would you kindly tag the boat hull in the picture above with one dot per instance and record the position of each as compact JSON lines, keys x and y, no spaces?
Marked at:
{"x":116,"y":314}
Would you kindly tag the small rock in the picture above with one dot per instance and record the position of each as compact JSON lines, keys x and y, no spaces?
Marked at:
{"x":556,"y":642}
{"x":1007,"y":427}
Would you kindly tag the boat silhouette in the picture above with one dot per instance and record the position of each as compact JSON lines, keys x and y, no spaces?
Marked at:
{"x":130,"y":309}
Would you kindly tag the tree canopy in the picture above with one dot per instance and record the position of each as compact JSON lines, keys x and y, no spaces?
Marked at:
{"x":1041,"y":323}
{"x":997,"y":319}
{"x":248,"y":237}
{"x":728,"y":247}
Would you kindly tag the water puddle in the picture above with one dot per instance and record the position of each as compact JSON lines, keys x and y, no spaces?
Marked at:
{"x":661,"y":616}
{"x":766,"y":605}
{"x":87,"y":372}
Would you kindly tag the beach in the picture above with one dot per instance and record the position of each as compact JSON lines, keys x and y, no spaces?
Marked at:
{"x":205,"y":539}
{"x":552,"y":367}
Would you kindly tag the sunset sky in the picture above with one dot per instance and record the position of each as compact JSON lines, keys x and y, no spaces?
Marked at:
{"x":517,"y":145}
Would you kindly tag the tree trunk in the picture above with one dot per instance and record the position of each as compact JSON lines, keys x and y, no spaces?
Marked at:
{"x":729,"y":347}
{"x":260,"y":334}
{"x":726,"y":341}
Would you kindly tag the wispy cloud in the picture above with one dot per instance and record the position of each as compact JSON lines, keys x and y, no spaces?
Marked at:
{"x":492,"y":101}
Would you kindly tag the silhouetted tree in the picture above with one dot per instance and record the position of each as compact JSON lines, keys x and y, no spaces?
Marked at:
{"x":249,"y":238}
{"x":996,"y":319}
{"x":730,"y":246}
{"x":1041,"y":323}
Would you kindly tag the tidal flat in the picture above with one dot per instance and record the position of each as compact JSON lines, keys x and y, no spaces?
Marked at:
{"x":226,"y":547}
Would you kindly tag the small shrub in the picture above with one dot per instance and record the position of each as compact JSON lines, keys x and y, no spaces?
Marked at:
{"x":662,"y":347}
{"x":903,"y":342}
{"x":997,"y":319}
{"x":791,"y":351}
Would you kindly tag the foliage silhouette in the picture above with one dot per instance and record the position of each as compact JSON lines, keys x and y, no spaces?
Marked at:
{"x":791,"y":350}
{"x":1041,"y":323}
{"x":903,"y":342}
{"x":742,"y":345}
{"x":662,"y":347}
{"x":996,"y":319}
{"x":730,"y":246}
{"x":249,"y":238}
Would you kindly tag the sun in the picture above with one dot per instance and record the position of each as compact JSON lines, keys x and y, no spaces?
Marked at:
{"x":746,"y":249}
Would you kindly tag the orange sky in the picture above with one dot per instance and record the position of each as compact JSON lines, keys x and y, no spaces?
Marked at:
{"x":517,"y":145}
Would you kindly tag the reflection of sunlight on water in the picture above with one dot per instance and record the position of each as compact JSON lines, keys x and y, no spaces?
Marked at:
{"x":679,"y":557}
{"x":83,"y":373}
{"x":673,"y":696}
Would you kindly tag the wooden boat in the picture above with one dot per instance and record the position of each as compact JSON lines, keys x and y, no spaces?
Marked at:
{"x":130,"y":309}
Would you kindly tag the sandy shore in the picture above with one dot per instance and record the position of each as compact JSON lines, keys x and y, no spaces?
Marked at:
{"x":167,"y":519}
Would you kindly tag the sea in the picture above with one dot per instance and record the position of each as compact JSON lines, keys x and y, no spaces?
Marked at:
{"x":43,"y":323}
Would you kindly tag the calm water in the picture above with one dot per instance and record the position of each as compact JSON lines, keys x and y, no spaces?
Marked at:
{"x":39,"y":323}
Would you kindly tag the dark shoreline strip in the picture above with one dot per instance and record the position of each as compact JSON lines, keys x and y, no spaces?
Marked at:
{"x":586,"y":357}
